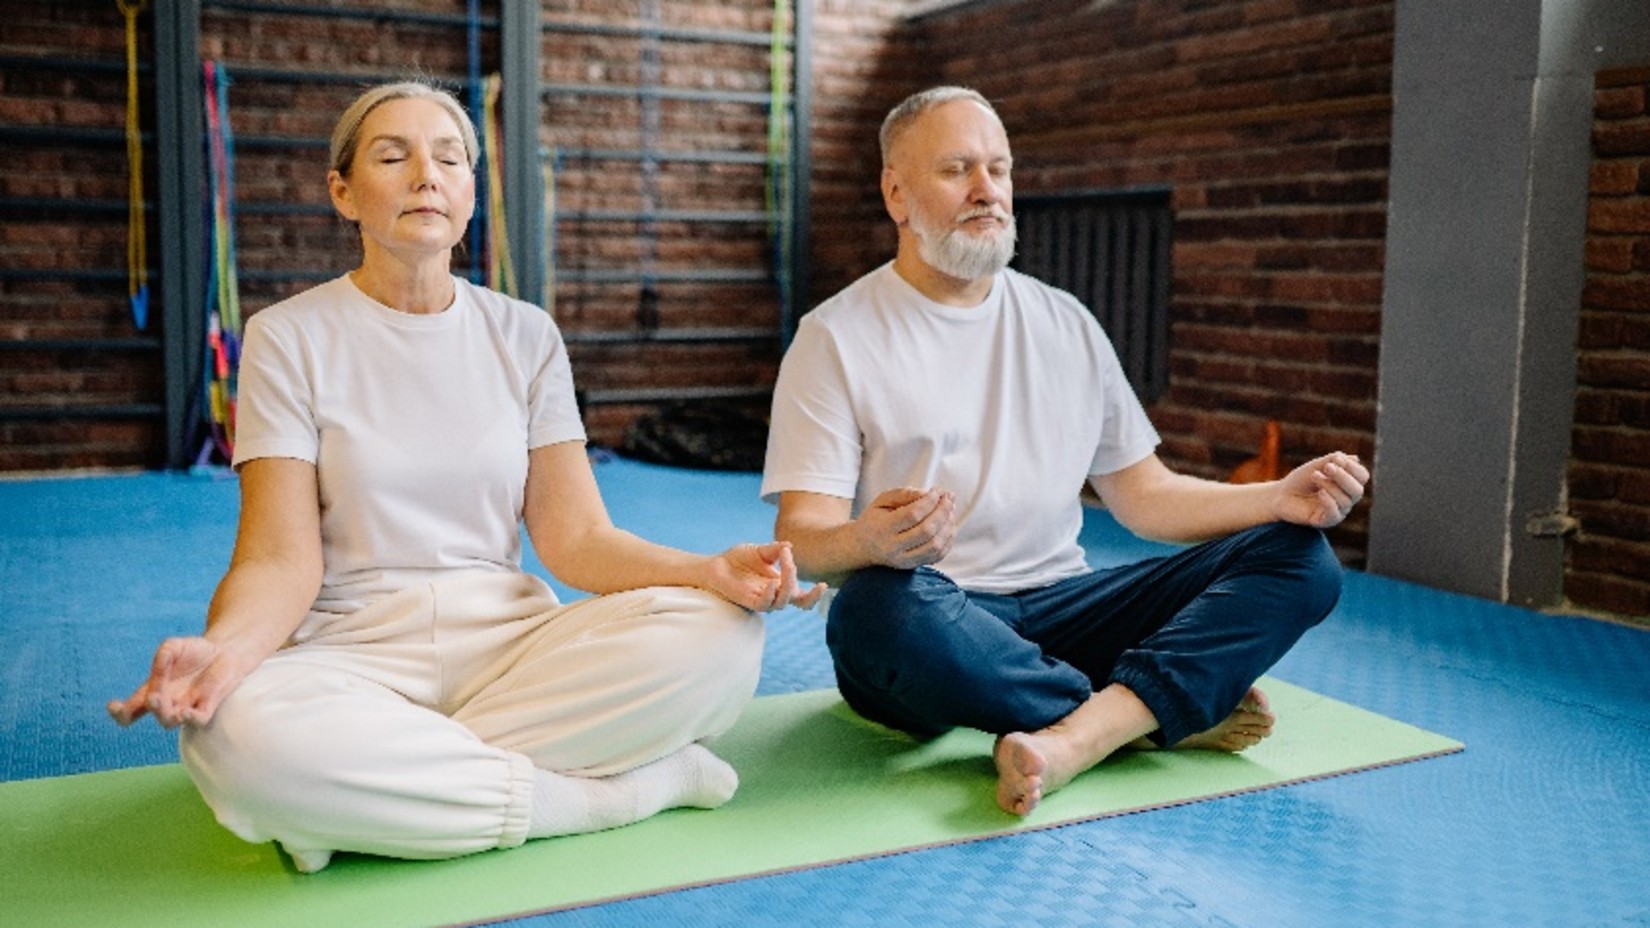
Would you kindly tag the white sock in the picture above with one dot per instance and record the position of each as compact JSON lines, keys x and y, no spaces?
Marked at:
{"x":564,"y":805}
{"x":308,"y":861}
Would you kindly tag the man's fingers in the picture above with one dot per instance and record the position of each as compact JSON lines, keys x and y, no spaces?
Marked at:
{"x":1355,"y":467}
{"x":897,"y":497}
{"x":1346,"y":480}
{"x":934,"y":517}
{"x":929,"y":540}
{"x":914,"y":512}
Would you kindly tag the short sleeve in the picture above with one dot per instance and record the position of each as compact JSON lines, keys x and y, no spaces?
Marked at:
{"x":1127,"y":435}
{"x":275,"y":408}
{"x":552,"y":409}
{"x":814,"y":442}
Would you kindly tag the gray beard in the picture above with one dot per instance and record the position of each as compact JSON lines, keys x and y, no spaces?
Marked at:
{"x":957,"y":254}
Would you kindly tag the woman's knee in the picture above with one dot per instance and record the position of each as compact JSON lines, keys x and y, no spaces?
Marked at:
{"x":705,"y":660}
{"x":254,"y":757}
{"x":702,"y":637}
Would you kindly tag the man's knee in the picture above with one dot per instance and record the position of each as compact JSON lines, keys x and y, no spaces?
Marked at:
{"x":880,"y":632}
{"x":884,"y":610}
{"x":1302,"y":557}
{"x":873,"y":587}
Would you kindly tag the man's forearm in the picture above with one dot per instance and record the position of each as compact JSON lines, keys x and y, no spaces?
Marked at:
{"x":1185,"y":509}
{"x":823,"y":553}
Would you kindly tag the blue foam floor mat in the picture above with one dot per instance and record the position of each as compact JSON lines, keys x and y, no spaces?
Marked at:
{"x":1542,"y":821}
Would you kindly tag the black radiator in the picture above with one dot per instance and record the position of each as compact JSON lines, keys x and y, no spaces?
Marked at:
{"x":1111,"y":251}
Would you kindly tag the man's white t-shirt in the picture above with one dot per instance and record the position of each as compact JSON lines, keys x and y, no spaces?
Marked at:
{"x":419,"y":426}
{"x":1011,"y":405}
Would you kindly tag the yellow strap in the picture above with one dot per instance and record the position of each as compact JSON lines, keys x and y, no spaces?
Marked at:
{"x":501,"y":274}
{"x":137,"y":251}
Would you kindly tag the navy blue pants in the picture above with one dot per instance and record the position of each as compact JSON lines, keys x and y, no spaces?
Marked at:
{"x":1188,"y":634}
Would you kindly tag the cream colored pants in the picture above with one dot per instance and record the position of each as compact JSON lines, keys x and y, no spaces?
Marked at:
{"x":411,"y":727}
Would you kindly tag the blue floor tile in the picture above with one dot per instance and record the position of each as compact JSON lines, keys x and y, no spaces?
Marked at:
{"x":1541,"y":821}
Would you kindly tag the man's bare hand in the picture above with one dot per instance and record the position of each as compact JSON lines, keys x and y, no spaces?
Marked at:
{"x":907,"y":527}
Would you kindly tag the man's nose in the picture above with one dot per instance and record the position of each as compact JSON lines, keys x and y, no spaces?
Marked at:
{"x":983,"y":187}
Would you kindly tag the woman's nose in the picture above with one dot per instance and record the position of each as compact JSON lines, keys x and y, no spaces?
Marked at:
{"x":424,"y":170}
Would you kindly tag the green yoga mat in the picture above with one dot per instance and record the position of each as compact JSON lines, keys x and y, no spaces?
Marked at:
{"x":819,"y":785}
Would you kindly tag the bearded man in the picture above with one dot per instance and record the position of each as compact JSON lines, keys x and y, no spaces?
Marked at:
{"x":932,"y":427}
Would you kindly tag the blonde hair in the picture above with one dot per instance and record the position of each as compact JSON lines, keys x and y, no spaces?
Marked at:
{"x":902,"y":116}
{"x":346,"y":134}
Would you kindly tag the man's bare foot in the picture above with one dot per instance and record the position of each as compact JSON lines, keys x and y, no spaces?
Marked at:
{"x":1248,"y":725}
{"x":1031,"y":765}
{"x":1020,"y":769}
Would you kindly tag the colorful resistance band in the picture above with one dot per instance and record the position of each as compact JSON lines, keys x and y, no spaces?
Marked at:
{"x":137,"y":245}
{"x":501,"y":274}
{"x":223,"y":300}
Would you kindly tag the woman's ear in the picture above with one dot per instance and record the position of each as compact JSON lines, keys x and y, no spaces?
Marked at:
{"x":338,"y":188}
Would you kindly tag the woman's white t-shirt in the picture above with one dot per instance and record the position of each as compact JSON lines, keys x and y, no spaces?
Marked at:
{"x":418,"y":425}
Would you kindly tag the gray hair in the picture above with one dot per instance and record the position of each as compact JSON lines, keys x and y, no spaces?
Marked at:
{"x":346,"y":134}
{"x":902,"y":116}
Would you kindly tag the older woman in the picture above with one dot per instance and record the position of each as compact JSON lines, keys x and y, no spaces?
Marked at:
{"x":377,"y":673}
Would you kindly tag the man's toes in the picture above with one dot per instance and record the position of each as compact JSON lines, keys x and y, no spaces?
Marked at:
{"x":1018,"y":799}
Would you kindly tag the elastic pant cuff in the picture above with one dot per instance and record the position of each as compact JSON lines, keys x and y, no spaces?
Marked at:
{"x":518,"y":808}
{"x":1173,"y":711}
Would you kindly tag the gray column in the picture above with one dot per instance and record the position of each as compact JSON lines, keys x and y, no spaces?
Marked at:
{"x":180,"y":130}
{"x":802,"y":95}
{"x":521,"y":42}
{"x":1492,"y":115}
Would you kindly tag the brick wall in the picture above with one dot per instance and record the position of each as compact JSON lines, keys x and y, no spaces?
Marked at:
{"x":635,"y":343}
{"x":292,"y":73}
{"x":67,"y":341}
{"x":865,"y":61}
{"x":285,"y":93}
{"x":1608,"y":560}
{"x":1270,"y":121}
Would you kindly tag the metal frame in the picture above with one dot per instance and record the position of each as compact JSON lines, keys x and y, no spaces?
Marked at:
{"x":521,"y":48}
{"x":368,"y":13}
{"x":634,"y":154}
{"x":179,"y":128}
{"x":711,"y":36}
{"x":181,"y":199}
{"x":799,"y":101}
{"x":796,"y":302}
{"x":1111,"y":248}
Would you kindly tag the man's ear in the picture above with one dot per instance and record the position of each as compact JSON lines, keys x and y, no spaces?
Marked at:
{"x":893,"y":197}
{"x":338,"y":188}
